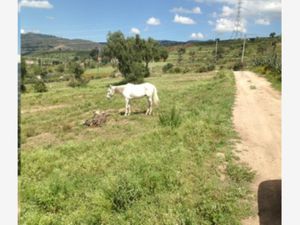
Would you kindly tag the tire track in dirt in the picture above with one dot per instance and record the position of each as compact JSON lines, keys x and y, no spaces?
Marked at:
{"x":257,"y":119}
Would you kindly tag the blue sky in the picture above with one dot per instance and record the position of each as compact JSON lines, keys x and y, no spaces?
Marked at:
{"x":179,"y":20}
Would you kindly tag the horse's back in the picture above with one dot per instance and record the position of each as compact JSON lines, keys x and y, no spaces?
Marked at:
{"x":146,"y":85}
{"x":139,"y":90}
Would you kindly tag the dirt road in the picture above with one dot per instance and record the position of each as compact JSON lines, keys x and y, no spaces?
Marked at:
{"x":257,"y":119}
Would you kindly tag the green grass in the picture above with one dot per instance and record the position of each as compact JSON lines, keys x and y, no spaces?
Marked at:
{"x":101,"y":72}
{"x":270,"y":76}
{"x":133,"y":170}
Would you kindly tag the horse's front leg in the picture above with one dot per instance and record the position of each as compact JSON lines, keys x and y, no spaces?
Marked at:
{"x":127,"y":107}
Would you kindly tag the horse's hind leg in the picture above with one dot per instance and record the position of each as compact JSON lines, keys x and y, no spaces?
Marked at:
{"x":127,"y":107}
{"x":149,"y":110}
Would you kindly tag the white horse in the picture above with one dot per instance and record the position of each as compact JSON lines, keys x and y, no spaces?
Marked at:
{"x":130,"y":91}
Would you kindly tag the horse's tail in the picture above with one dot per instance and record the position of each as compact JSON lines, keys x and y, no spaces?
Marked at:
{"x":155,"y":97}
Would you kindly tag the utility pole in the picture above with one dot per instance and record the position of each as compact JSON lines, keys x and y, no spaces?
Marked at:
{"x":216,"y":51}
{"x":243,"y":52}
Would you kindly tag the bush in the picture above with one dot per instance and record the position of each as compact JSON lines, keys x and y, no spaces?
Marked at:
{"x":206,"y":68}
{"x":210,"y":67}
{"x":186,"y":70}
{"x":78,"y":82}
{"x":23,"y":88}
{"x":176,"y":70}
{"x":77,"y":79}
{"x":40,"y":86}
{"x":272,"y":63}
{"x":238,"y":66}
{"x":171,"y":119}
{"x":167,"y":67}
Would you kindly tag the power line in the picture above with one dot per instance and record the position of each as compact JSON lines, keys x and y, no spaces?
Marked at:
{"x":236,"y":33}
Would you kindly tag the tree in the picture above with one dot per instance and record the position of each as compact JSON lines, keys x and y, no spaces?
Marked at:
{"x":272,"y":35}
{"x":164,"y":54}
{"x":180,"y":53}
{"x":150,"y":52}
{"x":94,"y":54}
{"x":133,"y":55}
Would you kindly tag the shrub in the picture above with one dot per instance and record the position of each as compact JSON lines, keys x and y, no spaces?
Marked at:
{"x":176,"y":70}
{"x":186,"y":70}
{"x":210,"y":67}
{"x":238,"y":66}
{"x":124,"y":195}
{"x":78,"y":82}
{"x":272,"y":63}
{"x":206,"y":68}
{"x":171,"y":119}
{"x":40,"y":86}
{"x":167,"y":67}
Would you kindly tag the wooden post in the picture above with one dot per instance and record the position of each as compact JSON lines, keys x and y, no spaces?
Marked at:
{"x":243,"y":52}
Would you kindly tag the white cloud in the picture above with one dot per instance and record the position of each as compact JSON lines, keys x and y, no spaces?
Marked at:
{"x":268,"y":8}
{"x":183,"y":20}
{"x":195,"y":10}
{"x":135,"y":30}
{"x":41,"y":4}
{"x":22,"y":31}
{"x":227,"y":25}
{"x":260,"y":12}
{"x":227,"y":11}
{"x":197,"y":35}
{"x":273,"y":6}
{"x":263,"y":21}
{"x":153,"y":21}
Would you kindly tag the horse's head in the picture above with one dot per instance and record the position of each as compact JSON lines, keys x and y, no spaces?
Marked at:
{"x":110,"y":91}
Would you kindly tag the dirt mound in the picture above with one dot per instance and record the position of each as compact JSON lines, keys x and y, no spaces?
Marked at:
{"x":98,"y":119}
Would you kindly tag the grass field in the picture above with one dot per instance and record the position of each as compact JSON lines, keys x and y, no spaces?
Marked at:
{"x":159,"y":169}
{"x":101,"y":72}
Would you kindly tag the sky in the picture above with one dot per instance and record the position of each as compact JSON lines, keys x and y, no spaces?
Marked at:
{"x":178,"y":20}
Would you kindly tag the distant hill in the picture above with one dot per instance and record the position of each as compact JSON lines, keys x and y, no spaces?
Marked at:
{"x":170,"y":43}
{"x":34,"y":43}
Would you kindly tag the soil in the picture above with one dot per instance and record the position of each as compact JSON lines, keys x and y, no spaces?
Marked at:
{"x":257,"y":119}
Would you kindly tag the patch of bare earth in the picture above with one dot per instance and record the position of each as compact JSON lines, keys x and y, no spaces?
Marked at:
{"x":257,"y":119}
